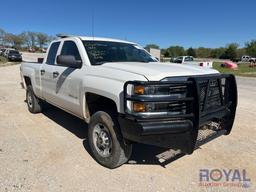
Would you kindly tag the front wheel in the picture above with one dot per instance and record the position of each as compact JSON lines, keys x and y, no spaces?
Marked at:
{"x":106,"y":142}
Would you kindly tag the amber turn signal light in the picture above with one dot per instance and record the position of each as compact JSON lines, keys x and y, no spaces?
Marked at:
{"x":139,"y":107}
{"x":139,"y":90}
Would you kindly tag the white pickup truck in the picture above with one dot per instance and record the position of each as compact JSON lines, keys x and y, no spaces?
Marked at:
{"x":126,"y":96}
{"x":189,"y":60}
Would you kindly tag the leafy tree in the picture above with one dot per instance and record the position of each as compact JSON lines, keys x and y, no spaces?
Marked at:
{"x":217,"y":52}
{"x":29,"y":38}
{"x":165,"y":52}
{"x":191,"y":52}
{"x":148,"y":46}
{"x":175,"y":51}
{"x":42,"y":39}
{"x":32,"y":38}
{"x":230,"y":52}
{"x":51,"y":38}
{"x":2,"y":35}
{"x":14,"y":40}
{"x":250,"y":48}
{"x":203,"y":52}
{"x":241,"y":52}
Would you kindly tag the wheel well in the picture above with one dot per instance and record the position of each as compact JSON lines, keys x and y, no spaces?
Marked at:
{"x":27,"y":81}
{"x":97,"y":102}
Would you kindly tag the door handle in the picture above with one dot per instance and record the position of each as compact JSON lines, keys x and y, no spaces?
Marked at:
{"x":55,"y":74}
{"x":42,"y":71}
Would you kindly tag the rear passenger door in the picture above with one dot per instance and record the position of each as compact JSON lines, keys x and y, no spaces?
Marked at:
{"x":47,"y":69}
{"x":68,"y":80}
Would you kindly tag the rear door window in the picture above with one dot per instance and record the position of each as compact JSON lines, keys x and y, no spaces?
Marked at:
{"x":52,"y":53}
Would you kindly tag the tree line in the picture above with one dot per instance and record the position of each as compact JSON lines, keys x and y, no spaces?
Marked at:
{"x":231,"y":51}
{"x":37,"y":40}
{"x":26,"y":39}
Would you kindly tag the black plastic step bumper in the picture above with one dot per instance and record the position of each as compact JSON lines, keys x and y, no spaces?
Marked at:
{"x":214,"y":99}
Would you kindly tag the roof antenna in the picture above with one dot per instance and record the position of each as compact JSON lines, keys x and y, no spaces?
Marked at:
{"x":93,"y":23}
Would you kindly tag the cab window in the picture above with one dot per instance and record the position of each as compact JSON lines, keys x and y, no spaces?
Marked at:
{"x":188,"y":58}
{"x":52,"y":53}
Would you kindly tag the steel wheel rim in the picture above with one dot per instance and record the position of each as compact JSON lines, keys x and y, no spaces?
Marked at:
{"x":29,"y":100}
{"x":102,"y":140}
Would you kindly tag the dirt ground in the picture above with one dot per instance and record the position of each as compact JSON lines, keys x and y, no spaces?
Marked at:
{"x":49,"y":152}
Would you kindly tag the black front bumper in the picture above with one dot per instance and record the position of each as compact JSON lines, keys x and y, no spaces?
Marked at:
{"x":15,"y":58}
{"x":181,"y":132}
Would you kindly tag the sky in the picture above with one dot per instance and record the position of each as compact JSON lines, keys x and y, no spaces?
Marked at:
{"x":188,"y":23}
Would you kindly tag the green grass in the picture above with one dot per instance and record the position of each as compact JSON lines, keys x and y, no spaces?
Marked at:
{"x":243,"y":69}
{"x":4,"y":62}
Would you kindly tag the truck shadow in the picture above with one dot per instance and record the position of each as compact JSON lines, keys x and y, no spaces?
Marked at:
{"x":142,"y":154}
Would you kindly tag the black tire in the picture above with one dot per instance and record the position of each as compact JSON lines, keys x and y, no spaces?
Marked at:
{"x":34,"y":103}
{"x":119,"y":152}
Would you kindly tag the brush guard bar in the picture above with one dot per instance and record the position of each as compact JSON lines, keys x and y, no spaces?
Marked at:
{"x":209,"y":98}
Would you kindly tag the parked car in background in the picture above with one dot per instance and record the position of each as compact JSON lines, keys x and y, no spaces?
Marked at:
{"x":229,"y":65}
{"x":14,"y":55}
{"x":44,"y":50}
{"x":6,"y":52}
{"x":2,"y":50}
{"x":245,"y":58}
{"x":252,"y":62}
{"x":190,"y":61}
{"x":31,"y":50}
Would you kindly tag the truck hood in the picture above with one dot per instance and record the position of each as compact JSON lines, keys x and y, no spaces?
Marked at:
{"x":156,"y":71}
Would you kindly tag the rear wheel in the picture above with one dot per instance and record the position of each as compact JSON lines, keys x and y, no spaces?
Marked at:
{"x":33,"y":102}
{"x":106,"y":142}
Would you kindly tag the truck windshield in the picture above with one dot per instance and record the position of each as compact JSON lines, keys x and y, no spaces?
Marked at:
{"x":100,"y":52}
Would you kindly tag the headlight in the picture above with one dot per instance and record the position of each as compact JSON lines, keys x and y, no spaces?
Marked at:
{"x":159,"y":107}
{"x":159,"y":90}
{"x":158,"y":98}
{"x":139,"y":107}
{"x":139,"y":90}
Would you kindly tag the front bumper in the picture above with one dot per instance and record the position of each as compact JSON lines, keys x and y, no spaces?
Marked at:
{"x":15,"y":58}
{"x":182,"y":132}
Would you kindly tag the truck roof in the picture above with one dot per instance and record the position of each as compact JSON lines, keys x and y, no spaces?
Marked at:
{"x":87,"y":38}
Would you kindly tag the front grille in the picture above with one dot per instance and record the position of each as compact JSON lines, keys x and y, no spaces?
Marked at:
{"x":178,"y":106}
{"x":172,"y":107}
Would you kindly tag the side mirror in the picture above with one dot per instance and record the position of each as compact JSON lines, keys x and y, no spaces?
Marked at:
{"x":68,"y":61}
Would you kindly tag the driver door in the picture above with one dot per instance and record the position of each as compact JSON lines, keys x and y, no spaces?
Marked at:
{"x":68,"y":81}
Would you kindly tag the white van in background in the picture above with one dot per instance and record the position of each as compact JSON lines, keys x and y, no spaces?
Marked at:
{"x":245,"y":58}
